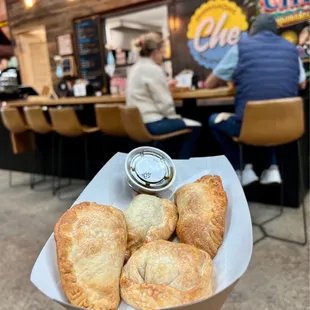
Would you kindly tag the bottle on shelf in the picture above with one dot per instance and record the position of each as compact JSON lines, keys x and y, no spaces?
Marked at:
{"x":110,"y":58}
{"x":110,"y":67}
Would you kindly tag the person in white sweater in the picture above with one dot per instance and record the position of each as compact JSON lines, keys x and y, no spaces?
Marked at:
{"x":148,"y":90}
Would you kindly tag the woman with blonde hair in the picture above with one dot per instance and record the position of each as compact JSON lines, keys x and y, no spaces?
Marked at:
{"x":148,"y":90}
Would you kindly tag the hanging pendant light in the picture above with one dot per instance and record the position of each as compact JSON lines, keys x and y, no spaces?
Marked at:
{"x":29,"y":3}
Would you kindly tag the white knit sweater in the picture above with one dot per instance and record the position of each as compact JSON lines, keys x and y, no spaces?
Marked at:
{"x":148,"y":90}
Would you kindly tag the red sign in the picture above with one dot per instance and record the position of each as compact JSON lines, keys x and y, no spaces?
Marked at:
{"x":287,"y":12}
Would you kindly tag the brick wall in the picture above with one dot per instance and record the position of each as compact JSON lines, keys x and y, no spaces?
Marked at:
{"x":57,"y":16}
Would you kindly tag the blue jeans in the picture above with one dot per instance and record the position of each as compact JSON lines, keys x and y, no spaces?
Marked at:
{"x":166,"y":125}
{"x":224,"y":131}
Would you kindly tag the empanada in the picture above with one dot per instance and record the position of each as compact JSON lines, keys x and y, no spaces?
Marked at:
{"x":164,"y":274}
{"x":202,"y":211}
{"x":91,"y":243}
{"x":149,"y":218}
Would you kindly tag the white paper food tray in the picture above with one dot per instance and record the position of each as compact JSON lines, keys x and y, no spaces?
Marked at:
{"x":109,"y":187}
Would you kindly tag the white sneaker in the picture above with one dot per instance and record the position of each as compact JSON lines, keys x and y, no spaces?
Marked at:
{"x":248,"y":175}
{"x":271,"y":175}
{"x":238,"y":173}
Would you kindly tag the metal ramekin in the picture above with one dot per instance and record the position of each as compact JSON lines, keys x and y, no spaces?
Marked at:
{"x":149,"y":170}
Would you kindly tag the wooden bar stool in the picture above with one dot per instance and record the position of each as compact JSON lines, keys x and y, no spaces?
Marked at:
{"x":109,"y":121}
{"x":38,"y":123}
{"x":275,"y":123}
{"x":136,"y":130}
{"x":15,"y":123}
{"x":66,"y":124}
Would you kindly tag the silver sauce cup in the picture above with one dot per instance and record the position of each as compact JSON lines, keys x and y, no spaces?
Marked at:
{"x":149,"y":170}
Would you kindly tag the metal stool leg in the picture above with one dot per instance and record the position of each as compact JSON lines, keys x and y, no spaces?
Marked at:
{"x":54,"y":172}
{"x":241,"y":161}
{"x":302,"y":187}
{"x":60,"y":173}
{"x":10,"y":178}
{"x":31,"y":176}
{"x":57,"y":165}
{"x":22,"y":184}
{"x":282,"y":176}
{"x":263,"y":232}
{"x":274,"y":217}
{"x":38,"y":154}
{"x":86,"y":157}
{"x":281,"y":211}
{"x":59,"y":168}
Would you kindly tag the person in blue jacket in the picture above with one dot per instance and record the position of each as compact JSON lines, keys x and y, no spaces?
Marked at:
{"x":263,"y":66}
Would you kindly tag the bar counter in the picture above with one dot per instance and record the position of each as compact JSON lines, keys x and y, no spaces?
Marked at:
{"x":198,"y":105}
{"x":177,"y":96}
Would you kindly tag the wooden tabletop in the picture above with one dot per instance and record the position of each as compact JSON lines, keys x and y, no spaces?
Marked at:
{"x":193,"y":94}
{"x":204,"y":93}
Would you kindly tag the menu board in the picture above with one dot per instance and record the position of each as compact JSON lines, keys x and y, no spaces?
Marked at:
{"x":90,"y":62}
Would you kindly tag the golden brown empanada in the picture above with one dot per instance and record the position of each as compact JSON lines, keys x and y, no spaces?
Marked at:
{"x":164,"y":274}
{"x":91,"y":243}
{"x":149,"y":218}
{"x":202,"y":211}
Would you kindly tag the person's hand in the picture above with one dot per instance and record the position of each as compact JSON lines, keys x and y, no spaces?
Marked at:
{"x":221,"y":117}
{"x":303,"y":85}
{"x":231,"y":84}
{"x":172,"y":83}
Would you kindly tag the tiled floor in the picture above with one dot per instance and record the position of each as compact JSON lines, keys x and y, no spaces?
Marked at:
{"x":277,"y":278}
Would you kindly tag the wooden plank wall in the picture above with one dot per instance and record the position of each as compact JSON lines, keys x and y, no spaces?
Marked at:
{"x":57,"y":16}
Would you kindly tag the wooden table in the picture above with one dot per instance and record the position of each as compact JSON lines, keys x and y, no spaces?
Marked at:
{"x":194,"y":94}
{"x":204,"y":93}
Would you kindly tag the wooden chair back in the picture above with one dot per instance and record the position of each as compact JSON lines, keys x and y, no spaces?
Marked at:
{"x":109,"y":121}
{"x":36,"y":120}
{"x":13,"y":120}
{"x":65,"y":122}
{"x":133,"y":124}
{"x":273,"y":122}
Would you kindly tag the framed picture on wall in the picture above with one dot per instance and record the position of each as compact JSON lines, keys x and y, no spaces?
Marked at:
{"x":68,"y":66}
{"x":65,"y":46}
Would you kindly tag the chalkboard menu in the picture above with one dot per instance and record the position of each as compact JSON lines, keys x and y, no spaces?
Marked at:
{"x":89,"y":54}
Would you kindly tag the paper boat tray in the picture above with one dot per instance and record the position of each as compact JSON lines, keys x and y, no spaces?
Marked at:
{"x":109,"y":187}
